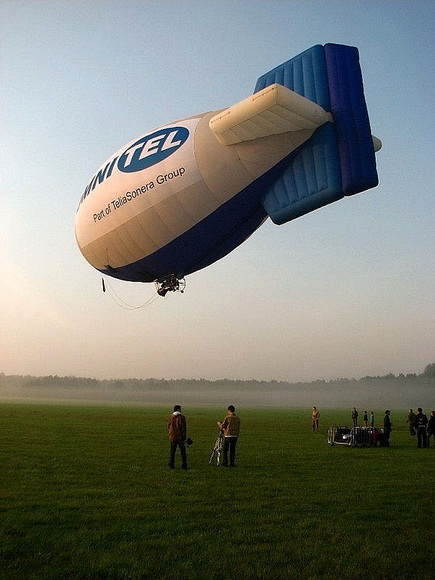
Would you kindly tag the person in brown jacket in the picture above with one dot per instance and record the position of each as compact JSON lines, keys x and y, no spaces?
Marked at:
{"x":315,"y":419}
{"x":230,"y":427}
{"x":177,"y":429}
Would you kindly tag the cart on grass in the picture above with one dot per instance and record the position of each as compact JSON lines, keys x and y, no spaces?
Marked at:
{"x":354,"y":436}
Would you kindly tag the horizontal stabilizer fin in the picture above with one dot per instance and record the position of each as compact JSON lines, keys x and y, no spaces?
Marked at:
{"x":271,"y":111}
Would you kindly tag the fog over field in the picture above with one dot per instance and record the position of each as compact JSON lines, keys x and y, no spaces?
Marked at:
{"x":390,"y":391}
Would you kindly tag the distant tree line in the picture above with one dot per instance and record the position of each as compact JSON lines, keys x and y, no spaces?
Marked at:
{"x":72,"y":382}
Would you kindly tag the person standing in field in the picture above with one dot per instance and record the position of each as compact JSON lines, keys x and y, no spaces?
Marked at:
{"x":420,"y":426}
{"x":411,"y":422}
{"x":315,"y":419}
{"x":365,"y":419}
{"x":177,"y":429}
{"x":355,"y":417}
{"x":372,"y":419}
{"x":230,"y":427}
{"x":387,"y":428}
{"x":431,"y":428}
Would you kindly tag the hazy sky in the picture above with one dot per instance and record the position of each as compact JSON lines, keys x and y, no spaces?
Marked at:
{"x":346,"y":291}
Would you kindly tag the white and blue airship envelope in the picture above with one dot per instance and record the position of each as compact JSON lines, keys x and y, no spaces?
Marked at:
{"x":184,"y":195}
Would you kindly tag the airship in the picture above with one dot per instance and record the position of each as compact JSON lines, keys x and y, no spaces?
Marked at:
{"x":184,"y":195}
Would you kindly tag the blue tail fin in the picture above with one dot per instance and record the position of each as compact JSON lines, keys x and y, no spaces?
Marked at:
{"x":339,"y":159}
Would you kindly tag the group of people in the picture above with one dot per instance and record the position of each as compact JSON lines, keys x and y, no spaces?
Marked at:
{"x":418,"y":424}
{"x":421,"y":426}
{"x":315,"y":418}
{"x":177,"y":429}
{"x":368,"y":422}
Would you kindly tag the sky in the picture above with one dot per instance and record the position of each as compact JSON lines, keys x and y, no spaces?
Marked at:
{"x":345,"y":291}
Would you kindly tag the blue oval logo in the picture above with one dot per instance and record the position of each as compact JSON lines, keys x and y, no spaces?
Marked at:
{"x":152,"y":149}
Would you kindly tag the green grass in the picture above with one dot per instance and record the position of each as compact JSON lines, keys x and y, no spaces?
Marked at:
{"x":86,"y":494}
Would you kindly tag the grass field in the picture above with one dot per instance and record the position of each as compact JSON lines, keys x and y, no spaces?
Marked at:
{"x":86,"y":494}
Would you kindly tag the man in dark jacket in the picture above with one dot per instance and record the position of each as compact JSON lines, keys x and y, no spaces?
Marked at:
{"x":177,"y":436}
{"x":387,"y":428}
{"x":420,"y":427}
{"x":355,"y":417}
{"x":411,"y":422}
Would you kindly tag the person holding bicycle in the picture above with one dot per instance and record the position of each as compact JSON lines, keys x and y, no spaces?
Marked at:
{"x":231,"y":429}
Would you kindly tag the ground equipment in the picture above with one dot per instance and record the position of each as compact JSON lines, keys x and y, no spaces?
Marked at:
{"x":217,"y":449}
{"x":354,"y":436}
